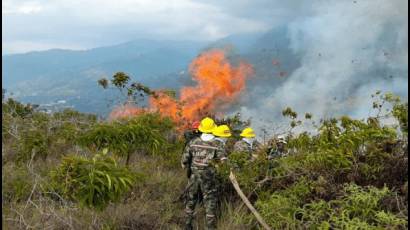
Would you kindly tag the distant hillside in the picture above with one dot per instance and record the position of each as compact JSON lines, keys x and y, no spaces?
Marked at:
{"x":48,"y":76}
{"x":43,"y":77}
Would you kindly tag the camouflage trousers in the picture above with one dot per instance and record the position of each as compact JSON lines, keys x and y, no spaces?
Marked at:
{"x":205,"y":181}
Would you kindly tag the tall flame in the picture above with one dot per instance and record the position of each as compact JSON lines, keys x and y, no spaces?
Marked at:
{"x":218,"y":85}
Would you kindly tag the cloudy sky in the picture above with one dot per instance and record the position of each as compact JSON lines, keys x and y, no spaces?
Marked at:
{"x":78,"y":24}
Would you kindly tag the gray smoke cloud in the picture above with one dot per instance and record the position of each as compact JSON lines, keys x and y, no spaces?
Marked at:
{"x":347,"y":50}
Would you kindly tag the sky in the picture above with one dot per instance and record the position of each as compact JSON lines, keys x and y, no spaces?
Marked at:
{"x":79,"y":24}
{"x":29,"y":25}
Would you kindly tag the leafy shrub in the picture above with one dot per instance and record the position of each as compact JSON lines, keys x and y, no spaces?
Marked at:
{"x":39,"y":135}
{"x":357,"y":208}
{"x":145,"y":133}
{"x":92,"y":182}
{"x":34,"y":144}
{"x":16,"y":183}
{"x":17,"y":109}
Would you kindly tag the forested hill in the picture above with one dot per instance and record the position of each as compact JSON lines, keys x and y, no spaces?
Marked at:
{"x":48,"y":76}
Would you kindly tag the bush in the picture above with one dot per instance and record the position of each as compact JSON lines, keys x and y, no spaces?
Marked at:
{"x":92,"y":182}
{"x":16,"y":183}
{"x":38,"y":135}
{"x":144,"y":133}
{"x":358,"y":208}
{"x":34,"y":145}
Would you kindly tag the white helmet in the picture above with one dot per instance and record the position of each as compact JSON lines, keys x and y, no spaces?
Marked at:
{"x":282,"y":139}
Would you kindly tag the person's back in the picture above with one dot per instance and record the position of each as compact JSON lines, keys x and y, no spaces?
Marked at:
{"x":202,"y":150}
{"x":279,"y":149}
{"x":190,"y":135}
{"x":243,"y":146}
{"x":247,"y":145}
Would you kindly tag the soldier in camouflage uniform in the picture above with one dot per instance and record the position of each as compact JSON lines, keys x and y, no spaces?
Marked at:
{"x":222,"y":133}
{"x":248,"y":144}
{"x":192,"y":133}
{"x":280,"y":149}
{"x":204,"y":151}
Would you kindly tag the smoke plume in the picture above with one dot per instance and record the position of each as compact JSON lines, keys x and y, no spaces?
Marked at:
{"x":346,"y":51}
{"x":326,"y":61}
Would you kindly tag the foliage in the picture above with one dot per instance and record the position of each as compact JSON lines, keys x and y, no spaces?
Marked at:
{"x":16,"y":183}
{"x":92,"y":182}
{"x":345,"y":174}
{"x":356,"y":207}
{"x":120,"y":79}
{"x":16,"y":109}
{"x":335,"y":179}
{"x":34,"y":144}
{"x":134,"y":90}
{"x":146,"y":132}
{"x":38,"y":135}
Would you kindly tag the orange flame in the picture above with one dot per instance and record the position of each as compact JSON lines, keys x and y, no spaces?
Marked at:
{"x":218,"y":85}
{"x":125,"y":111}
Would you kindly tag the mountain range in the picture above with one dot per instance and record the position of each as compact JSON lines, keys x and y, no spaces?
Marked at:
{"x":49,"y":76}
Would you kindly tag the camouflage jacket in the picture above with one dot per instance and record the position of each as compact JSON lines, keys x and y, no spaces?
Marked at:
{"x":243,"y":146}
{"x":273,"y":153}
{"x":191,"y":134}
{"x":203,"y":153}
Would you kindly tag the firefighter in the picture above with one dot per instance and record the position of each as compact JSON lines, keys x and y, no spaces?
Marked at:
{"x":192,"y":133}
{"x":204,"y":150}
{"x":248,"y":143}
{"x":222,"y":133}
{"x":279,"y":150}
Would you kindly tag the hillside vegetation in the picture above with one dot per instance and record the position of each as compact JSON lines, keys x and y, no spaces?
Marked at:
{"x":69,"y":170}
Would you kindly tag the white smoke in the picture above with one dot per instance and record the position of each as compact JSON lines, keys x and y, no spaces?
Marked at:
{"x":348,"y":49}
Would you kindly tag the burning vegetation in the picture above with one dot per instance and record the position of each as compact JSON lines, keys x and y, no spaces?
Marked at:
{"x":218,"y":83}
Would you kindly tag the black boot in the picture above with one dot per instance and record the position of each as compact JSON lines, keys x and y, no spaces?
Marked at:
{"x":188,"y":222}
{"x":188,"y":226}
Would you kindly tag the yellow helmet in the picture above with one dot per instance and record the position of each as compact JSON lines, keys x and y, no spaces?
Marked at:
{"x":207,"y":125}
{"x":248,"y":132}
{"x":222,"y":131}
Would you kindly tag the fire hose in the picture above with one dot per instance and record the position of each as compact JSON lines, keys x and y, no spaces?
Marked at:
{"x":235,"y":184}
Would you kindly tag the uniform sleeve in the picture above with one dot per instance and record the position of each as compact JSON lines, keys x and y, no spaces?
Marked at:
{"x":221,"y":152}
{"x":186,"y":156}
{"x":238,"y":147}
{"x":257,"y":146}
